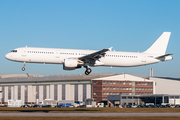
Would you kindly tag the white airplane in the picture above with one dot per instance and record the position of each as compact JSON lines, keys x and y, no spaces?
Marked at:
{"x":75,"y":58}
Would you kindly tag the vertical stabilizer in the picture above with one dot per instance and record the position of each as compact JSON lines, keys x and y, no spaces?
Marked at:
{"x":160,"y":45}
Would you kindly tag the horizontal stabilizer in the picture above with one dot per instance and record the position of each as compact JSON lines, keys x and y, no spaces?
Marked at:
{"x":162,"y":56}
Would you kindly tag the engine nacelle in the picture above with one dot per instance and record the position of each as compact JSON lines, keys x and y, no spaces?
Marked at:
{"x":68,"y":68}
{"x":70,"y":64}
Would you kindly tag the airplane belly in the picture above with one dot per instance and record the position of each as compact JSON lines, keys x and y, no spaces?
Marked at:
{"x":121,"y":62}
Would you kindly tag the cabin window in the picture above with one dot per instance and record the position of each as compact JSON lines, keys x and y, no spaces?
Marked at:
{"x":14,"y":51}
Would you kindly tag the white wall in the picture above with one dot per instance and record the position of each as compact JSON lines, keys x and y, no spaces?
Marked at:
{"x":166,"y":86}
{"x":71,"y":92}
{"x":80,"y":92}
{"x":6,"y":94}
{"x":88,"y":91}
{"x":67,"y":92}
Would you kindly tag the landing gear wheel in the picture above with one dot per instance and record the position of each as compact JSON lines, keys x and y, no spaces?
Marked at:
{"x":23,"y":68}
{"x":88,"y":71}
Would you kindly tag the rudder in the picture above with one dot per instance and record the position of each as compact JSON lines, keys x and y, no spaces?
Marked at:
{"x":160,"y":45}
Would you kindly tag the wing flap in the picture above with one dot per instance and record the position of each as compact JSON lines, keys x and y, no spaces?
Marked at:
{"x":94,"y":56}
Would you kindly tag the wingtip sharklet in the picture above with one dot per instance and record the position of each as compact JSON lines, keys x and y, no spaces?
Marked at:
{"x":110,"y":49}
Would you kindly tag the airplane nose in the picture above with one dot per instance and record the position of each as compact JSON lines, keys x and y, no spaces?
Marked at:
{"x":7,"y":56}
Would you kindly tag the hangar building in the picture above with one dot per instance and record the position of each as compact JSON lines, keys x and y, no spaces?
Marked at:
{"x":32,"y":88}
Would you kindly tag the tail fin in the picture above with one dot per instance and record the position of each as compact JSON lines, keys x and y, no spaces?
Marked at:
{"x":160,"y":45}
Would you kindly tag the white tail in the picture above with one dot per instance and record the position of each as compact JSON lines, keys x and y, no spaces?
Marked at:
{"x":160,"y":45}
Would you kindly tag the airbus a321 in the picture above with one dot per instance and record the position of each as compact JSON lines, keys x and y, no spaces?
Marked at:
{"x":75,"y":58}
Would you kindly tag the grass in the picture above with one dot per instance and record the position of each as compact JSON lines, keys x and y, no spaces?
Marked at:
{"x":89,"y":118}
{"x":89,"y":110}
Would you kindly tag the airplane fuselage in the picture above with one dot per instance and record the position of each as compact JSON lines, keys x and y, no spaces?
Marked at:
{"x":57,"y":56}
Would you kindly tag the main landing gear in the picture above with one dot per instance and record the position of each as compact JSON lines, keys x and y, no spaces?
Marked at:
{"x":24,"y":64}
{"x":88,"y":70}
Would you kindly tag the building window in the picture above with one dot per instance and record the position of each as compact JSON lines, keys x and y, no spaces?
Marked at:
{"x":37,"y":92}
{"x":124,"y":83}
{"x":117,"y":88}
{"x":123,"y":88}
{"x":63,"y":92}
{"x":26,"y":93}
{"x":107,"y":82}
{"x":107,"y":88}
{"x":130,"y":88}
{"x":139,"y":83}
{"x":84,"y":92}
{"x":127,"y":88}
{"x":110,"y":88}
{"x":95,"y":93}
{"x":104,"y":82}
{"x":114,"y":83}
{"x":76,"y":92}
{"x":95,"y":82}
{"x":117,"y":83}
{"x":19,"y":92}
{"x":145,"y":83}
{"x":110,"y":82}
{"x":130,"y":97}
{"x":95,"y":88}
{"x":114,"y":93}
{"x":114,"y":88}
{"x":9,"y":92}
{"x":130,"y":83}
{"x":55,"y":92}
{"x":104,"y":88}
{"x":123,"y":97}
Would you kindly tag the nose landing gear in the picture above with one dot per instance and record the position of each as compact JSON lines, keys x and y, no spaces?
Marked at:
{"x":24,"y":64}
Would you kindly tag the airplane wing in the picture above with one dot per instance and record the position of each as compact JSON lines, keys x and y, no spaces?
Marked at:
{"x":94,"y":56}
{"x":163,"y":56}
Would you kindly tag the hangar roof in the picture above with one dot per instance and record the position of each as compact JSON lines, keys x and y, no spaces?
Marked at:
{"x":39,"y":78}
{"x":18,"y":78}
{"x":125,"y":77}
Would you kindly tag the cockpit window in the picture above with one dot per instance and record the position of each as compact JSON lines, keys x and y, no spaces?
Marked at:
{"x":14,"y":51}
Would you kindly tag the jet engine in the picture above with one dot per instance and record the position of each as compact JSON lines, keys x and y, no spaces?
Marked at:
{"x":70,"y":64}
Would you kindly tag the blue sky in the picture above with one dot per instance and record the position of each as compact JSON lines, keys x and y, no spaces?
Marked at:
{"x":125,"y":25}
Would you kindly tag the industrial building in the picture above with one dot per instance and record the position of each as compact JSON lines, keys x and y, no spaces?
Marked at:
{"x":33,"y":89}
